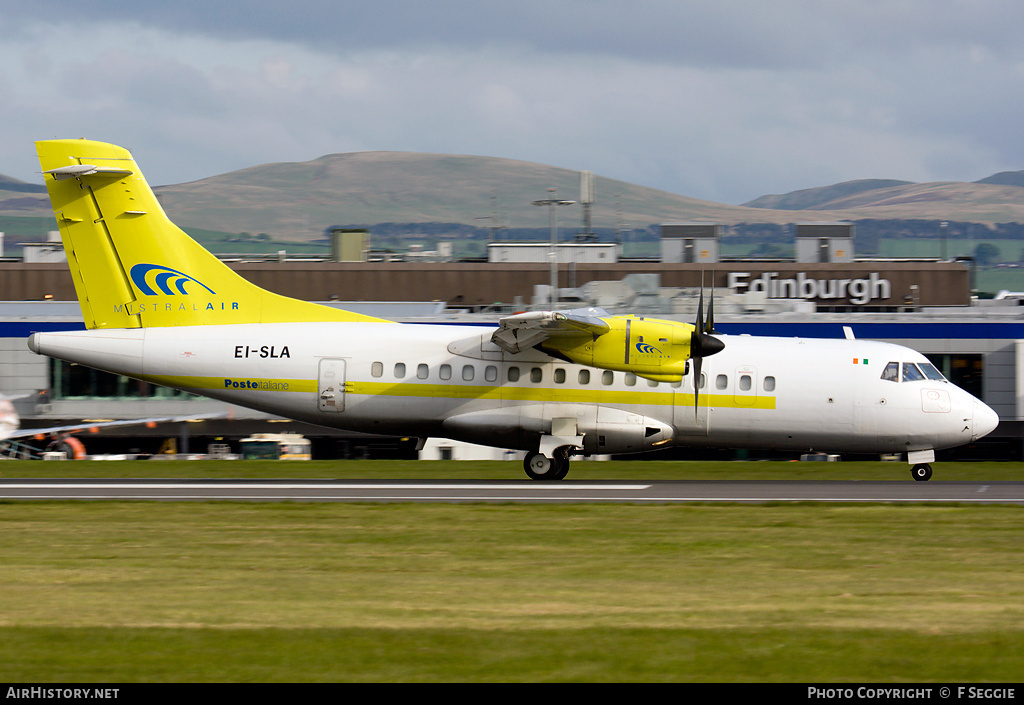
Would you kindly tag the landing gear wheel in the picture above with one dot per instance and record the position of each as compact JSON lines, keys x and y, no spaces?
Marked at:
{"x":562,"y":456}
{"x":541,"y":467}
{"x":922,"y":472}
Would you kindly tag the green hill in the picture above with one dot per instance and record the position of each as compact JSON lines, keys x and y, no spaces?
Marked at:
{"x":820,"y":198}
{"x":16,"y":186}
{"x":298,"y":201}
{"x":1004,"y":178}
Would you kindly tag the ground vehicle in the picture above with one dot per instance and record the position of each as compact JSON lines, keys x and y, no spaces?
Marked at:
{"x":276,"y":446}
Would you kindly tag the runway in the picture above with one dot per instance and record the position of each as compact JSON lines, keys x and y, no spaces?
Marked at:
{"x":526,"y":491}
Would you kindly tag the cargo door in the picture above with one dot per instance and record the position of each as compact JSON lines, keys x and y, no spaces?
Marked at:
{"x":331,"y":385}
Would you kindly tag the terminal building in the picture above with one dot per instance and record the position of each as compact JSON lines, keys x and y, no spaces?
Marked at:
{"x":925,"y":305}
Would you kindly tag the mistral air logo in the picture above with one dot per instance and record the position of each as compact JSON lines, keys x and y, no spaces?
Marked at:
{"x":158,"y":280}
{"x":647,"y":349}
{"x":169,"y":281}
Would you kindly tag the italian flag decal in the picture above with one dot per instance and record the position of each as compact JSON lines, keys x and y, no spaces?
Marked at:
{"x":859,"y":361}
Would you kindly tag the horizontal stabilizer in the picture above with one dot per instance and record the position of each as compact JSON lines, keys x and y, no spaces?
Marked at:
{"x":79,"y":170}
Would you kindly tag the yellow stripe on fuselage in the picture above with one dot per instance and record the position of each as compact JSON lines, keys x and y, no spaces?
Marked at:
{"x":619,"y":397}
{"x":556,"y":395}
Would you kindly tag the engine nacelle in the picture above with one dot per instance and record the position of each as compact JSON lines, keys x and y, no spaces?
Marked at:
{"x":605,"y":430}
{"x":648,"y":347}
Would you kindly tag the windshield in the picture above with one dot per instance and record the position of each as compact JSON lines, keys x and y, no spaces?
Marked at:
{"x":912,"y":372}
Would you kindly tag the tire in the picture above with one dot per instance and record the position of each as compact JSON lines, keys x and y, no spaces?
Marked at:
{"x":922,"y":472}
{"x":541,"y":467}
{"x":562,"y":456}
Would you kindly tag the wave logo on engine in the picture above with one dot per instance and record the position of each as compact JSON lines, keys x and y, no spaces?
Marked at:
{"x":648,"y":349}
{"x":149,"y":277}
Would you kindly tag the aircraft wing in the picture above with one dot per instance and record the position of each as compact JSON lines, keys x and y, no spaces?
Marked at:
{"x":526,"y":330}
{"x":26,"y":432}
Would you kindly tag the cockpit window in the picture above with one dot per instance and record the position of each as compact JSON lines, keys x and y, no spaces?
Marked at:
{"x":911,"y":373}
{"x":891,"y":373}
{"x":930,"y":371}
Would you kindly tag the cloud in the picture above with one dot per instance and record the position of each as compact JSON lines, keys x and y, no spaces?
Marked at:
{"x":722,"y":101}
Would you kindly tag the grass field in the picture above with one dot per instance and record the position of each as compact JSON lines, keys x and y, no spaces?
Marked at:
{"x":508,"y":470}
{"x":254,"y":592}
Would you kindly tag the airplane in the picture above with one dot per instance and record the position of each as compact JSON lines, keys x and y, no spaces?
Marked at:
{"x":10,"y":426}
{"x":555,"y":384}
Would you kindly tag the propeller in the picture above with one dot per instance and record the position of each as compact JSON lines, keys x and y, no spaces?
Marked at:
{"x":703,"y":342}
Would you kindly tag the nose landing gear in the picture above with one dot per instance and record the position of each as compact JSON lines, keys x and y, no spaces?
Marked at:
{"x":920,"y":459}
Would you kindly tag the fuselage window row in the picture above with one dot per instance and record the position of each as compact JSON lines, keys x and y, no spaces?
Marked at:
{"x":513,"y":374}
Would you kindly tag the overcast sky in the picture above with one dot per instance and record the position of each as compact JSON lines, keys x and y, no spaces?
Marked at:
{"x":724,"y":101}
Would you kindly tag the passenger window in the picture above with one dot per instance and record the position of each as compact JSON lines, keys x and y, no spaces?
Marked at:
{"x":446,"y":372}
{"x":607,"y":378}
{"x":891,"y":373}
{"x":513,"y":374}
{"x":399,"y":370}
{"x":536,"y":375}
{"x":377,"y":369}
{"x":911,"y":373}
{"x":721,"y":382}
{"x":630,"y":379}
{"x":422,"y":371}
{"x":703,"y":380}
{"x":559,"y":375}
{"x":745,"y":383}
{"x":584,"y":377}
{"x":769,"y":384}
{"x":468,"y":373}
{"x":652,"y":383}
{"x":491,"y":373}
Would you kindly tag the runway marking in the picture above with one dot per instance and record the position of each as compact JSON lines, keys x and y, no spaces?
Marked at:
{"x":478,"y":491}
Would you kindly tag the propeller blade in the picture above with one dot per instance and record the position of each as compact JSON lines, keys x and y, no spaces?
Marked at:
{"x":697,"y":363}
{"x":696,"y":347}
{"x":703,"y":342}
{"x":699,"y":325}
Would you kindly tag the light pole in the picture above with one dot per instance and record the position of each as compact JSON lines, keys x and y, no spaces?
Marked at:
{"x":552,"y":203}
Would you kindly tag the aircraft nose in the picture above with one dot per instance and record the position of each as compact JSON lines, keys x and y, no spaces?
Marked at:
{"x":985,"y":420}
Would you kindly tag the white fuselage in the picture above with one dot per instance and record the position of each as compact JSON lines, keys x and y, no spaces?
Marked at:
{"x":451,"y":381}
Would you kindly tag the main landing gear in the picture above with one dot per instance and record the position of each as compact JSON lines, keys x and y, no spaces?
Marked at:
{"x":541,"y":467}
{"x":922,"y":472}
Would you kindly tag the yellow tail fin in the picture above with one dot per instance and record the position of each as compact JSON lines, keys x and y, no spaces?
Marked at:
{"x":132,"y":266}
